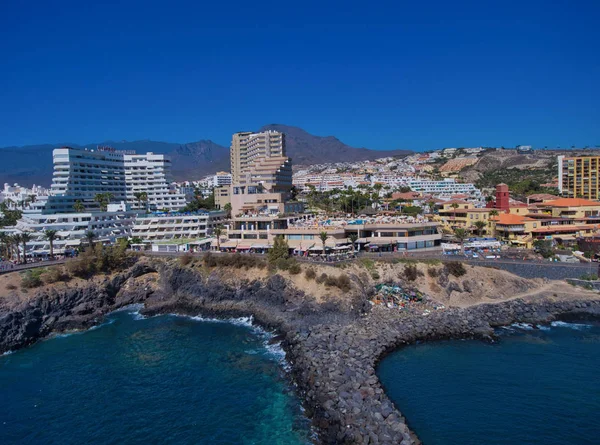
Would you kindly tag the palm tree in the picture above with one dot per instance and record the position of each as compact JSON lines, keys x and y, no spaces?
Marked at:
{"x":16,"y":240}
{"x":227,"y":207}
{"x":218,"y":231}
{"x":25,"y":238}
{"x":50,"y":236}
{"x":78,"y":206}
{"x":104,"y":199}
{"x":6,"y":243}
{"x":353,"y":237}
{"x":454,"y":206}
{"x":480,"y":226}
{"x":90,"y":236}
{"x":461,"y":234}
{"x":323,"y":236}
{"x":142,"y":197}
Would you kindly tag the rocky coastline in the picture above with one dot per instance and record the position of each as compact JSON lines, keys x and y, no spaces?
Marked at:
{"x":333,"y":348}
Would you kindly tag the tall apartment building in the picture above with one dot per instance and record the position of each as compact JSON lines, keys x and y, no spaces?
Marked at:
{"x":578,"y":177}
{"x":151,"y":173}
{"x":81,"y":174}
{"x":246,"y":147}
{"x":261,"y":173}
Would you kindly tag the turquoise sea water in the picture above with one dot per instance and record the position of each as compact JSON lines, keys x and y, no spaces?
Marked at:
{"x":164,"y":379}
{"x":532,"y":387}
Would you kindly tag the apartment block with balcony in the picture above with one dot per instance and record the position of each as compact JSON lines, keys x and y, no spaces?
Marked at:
{"x":579,"y":177}
{"x":72,"y":227}
{"x":261,"y":174}
{"x":81,"y":174}
{"x":151,"y":173}
{"x":173,"y":226}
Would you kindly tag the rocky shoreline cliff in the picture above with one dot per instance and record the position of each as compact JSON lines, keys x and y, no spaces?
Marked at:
{"x":332,"y":347}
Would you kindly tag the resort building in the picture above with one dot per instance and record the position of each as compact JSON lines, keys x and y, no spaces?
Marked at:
{"x":302,"y":233}
{"x":176,"y":226}
{"x":578,"y":177}
{"x":447,"y":187}
{"x":72,"y":228}
{"x":81,"y":174}
{"x":261,"y":174}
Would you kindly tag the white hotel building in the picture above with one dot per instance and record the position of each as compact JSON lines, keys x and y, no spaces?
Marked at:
{"x":71,"y":228}
{"x":445,"y":188}
{"x":176,"y":226}
{"x":81,"y":174}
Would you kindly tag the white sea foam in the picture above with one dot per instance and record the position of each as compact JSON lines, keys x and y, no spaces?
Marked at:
{"x":7,"y":352}
{"x":524,"y":326}
{"x":274,"y":350}
{"x":576,"y":326}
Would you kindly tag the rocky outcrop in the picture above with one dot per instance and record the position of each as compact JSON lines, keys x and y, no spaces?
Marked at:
{"x":332,"y":348}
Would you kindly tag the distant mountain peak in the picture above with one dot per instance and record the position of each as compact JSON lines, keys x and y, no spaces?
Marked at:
{"x":191,"y":160}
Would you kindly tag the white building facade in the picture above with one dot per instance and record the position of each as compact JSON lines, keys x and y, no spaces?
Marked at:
{"x":81,"y":174}
{"x":177,"y":225}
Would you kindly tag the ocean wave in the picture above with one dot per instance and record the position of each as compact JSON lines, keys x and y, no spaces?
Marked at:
{"x":272,"y":349}
{"x":7,"y":353}
{"x":524,"y":326}
{"x":576,"y":326}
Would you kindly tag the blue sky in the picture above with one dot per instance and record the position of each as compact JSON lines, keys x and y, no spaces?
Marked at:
{"x":384,"y":75}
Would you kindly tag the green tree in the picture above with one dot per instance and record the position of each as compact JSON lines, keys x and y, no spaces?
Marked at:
{"x":227,"y":207}
{"x":218,"y":231}
{"x":142,"y":197}
{"x":25,"y":238}
{"x":90,"y":236}
{"x":104,"y":199}
{"x":50,"y":236}
{"x":78,"y":206}
{"x":6,"y":243}
{"x":323,"y":236}
{"x":353,"y":237}
{"x":461,"y":234}
{"x":480,"y":225}
{"x":16,"y":241}
{"x":454,"y":206}
{"x":279,"y":250}
{"x":544,"y":247}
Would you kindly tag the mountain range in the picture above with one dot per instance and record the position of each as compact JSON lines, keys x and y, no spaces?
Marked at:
{"x":32,"y":164}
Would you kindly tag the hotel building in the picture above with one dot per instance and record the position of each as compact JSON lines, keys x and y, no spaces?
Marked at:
{"x":176,"y":226}
{"x":72,"y":227}
{"x":81,"y":174}
{"x":261,"y":174}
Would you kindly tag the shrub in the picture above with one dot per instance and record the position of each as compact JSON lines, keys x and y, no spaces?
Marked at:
{"x":589,"y":277}
{"x":455,"y":268}
{"x":186,"y":259}
{"x":279,"y":250}
{"x":282,"y":264}
{"x":11,"y":286}
{"x":433,"y":272}
{"x":310,"y":274}
{"x":54,"y":275}
{"x":294,"y":268}
{"x":100,"y":259}
{"x":236,"y":260}
{"x":411,"y":272}
{"x":321,"y":278}
{"x":31,"y":279}
{"x":342,"y":282}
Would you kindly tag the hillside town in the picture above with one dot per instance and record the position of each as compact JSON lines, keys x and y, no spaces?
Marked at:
{"x":419,"y":203}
